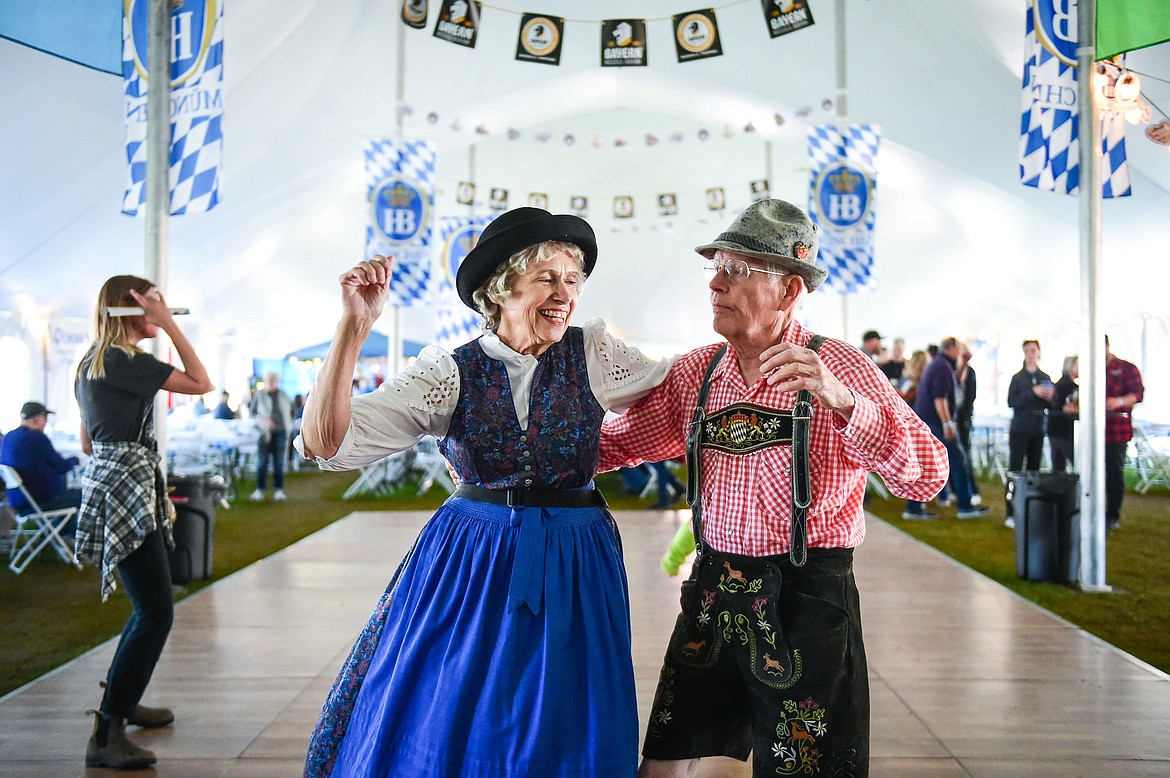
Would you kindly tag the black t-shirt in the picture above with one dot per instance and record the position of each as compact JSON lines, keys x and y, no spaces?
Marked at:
{"x":1060,"y":424}
{"x":119,"y":407}
{"x":893,"y":371}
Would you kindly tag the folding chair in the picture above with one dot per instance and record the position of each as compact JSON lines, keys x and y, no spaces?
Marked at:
{"x":1153,"y":466}
{"x":45,"y":529}
{"x":432,"y":467}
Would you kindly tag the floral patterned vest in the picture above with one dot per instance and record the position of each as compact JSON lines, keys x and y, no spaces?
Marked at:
{"x":485,"y":444}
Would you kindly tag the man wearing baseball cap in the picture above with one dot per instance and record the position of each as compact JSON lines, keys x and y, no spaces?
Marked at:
{"x":28,"y":450}
{"x":780,"y":427}
{"x":871,"y":344}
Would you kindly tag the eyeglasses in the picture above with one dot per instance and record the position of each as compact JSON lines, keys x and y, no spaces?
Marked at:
{"x":736,"y":270}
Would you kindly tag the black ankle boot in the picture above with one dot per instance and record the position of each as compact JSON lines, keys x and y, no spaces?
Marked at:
{"x":109,"y":747}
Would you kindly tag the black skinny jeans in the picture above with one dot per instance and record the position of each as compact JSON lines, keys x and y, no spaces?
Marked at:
{"x":1114,"y":480}
{"x":146,"y":576}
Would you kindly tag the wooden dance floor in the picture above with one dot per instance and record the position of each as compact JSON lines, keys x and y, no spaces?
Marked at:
{"x":967,"y":678}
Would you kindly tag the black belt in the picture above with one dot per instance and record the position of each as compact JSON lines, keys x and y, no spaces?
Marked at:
{"x":539,"y":498}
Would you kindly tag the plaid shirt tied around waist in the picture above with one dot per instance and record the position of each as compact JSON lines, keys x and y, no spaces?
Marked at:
{"x":122,"y":494}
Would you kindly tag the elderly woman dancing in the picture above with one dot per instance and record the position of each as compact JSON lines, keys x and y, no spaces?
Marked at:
{"x":502,"y":644}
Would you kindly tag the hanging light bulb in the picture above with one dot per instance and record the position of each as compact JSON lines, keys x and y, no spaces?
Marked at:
{"x":1128,"y":87}
{"x":1102,"y":83}
{"x":1139,"y":114}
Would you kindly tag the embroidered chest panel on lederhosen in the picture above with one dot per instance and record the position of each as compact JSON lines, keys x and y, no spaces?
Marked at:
{"x":741,"y":428}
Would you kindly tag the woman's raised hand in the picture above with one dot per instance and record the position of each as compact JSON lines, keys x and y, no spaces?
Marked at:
{"x":365,"y":286}
{"x":154,"y":307}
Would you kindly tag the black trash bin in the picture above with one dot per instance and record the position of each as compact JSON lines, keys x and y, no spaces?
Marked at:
{"x":1046,"y":507}
{"x":195,"y":497}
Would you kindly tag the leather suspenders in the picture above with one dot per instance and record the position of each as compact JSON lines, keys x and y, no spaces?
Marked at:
{"x":694,"y":439}
{"x":802,"y":414}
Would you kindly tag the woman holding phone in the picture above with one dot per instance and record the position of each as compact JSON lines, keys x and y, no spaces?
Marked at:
{"x":124,"y":524}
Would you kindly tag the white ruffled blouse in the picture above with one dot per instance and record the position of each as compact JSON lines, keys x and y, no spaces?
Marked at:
{"x":420,"y":400}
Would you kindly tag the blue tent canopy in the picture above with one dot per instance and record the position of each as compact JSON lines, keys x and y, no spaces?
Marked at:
{"x":88,"y":32}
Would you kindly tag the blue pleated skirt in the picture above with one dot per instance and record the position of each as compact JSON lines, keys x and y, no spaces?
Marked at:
{"x":500,"y":648}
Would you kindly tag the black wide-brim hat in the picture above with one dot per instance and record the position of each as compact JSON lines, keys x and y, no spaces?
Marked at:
{"x":515,"y":231}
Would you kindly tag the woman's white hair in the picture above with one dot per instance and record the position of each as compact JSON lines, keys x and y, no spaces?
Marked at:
{"x":498,"y":287}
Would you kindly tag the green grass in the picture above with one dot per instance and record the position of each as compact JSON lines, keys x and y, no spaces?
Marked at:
{"x":53,"y":612}
{"x":1135,"y":616}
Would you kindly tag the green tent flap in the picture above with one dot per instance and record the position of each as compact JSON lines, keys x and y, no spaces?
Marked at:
{"x":1125,"y":25}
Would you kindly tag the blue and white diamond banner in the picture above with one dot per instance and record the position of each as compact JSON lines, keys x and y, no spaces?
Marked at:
{"x":842,"y":183}
{"x":456,"y":324}
{"x":401,"y":200}
{"x":1049,"y":151}
{"x":196,"y":104}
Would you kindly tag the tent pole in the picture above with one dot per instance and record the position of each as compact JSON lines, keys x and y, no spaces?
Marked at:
{"x":842,"y":88}
{"x":158,"y":142}
{"x":394,"y":358}
{"x":768,"y":166}
{"x":471,"y":175}
{"x":842,"y":113}
{"x":1091,"y":449}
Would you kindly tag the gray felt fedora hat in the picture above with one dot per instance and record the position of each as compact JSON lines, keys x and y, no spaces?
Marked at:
{"x":778,"y":232}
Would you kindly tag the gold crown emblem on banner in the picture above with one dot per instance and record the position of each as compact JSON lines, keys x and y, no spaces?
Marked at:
{"x":844,"y":180}
{"x":400,"y":196}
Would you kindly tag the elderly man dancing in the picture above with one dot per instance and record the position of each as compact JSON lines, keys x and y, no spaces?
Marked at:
{"x":780,"y":427}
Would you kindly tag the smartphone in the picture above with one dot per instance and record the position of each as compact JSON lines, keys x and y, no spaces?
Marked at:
{"x":133,"y":310}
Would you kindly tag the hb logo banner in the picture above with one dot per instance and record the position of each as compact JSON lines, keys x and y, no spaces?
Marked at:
{"x":456,"y":323}
{"x":401,"y":200}
{"x":1049,"y":123}
{"x":841,"y":201}
{"x":196,"y":129}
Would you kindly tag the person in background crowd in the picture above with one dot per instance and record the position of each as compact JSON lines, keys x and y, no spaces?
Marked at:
{"x":871,"y":346}
{"x":28,"y":450}
{"x":787,"y":585}
{"x":669,"y":487}
{"x":1029,"y":394}
{"x":934,"y":404}
{"x":223,"y":410}
{"x":124,"y":524}
{"x":1062,"y":413}
{"x":273,"y":412}
{"x":965,"y":390}
{"x":1123,"y":390}
{"x":912,"y":376}
{"x":896,"y":364}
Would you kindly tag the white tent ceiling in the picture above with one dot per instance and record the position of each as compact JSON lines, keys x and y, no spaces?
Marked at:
{"x":962,"y":248}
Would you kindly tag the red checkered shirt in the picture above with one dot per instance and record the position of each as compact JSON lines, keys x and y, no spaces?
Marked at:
{"x":747,"y":501}
{"x":1121,"y":378}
